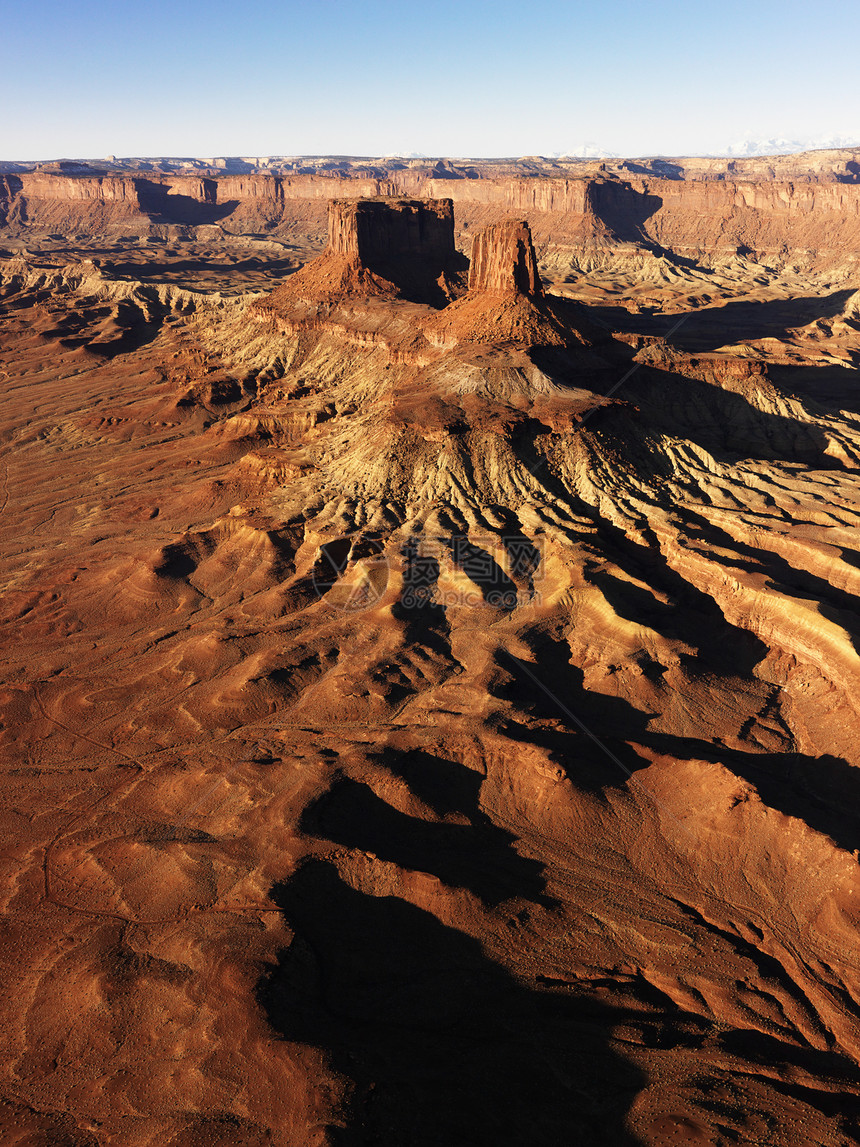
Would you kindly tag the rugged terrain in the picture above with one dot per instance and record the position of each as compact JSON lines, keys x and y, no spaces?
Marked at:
{"x":430,"y":697}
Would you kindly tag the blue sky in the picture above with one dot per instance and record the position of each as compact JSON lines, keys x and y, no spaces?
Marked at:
{"x":437,"y":77}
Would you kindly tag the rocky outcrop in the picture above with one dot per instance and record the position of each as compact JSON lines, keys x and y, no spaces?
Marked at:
{"x":390,"y":247}
{"x":839,"y":165}
{"x":385,"y":249}
{"x":825,"y":164}
{"x":505,"y":303}
{"x":504,"y":261}
{"x":383,"y":230}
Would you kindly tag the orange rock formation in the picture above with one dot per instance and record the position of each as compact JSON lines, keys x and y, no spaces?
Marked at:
{"x":503,"y":260}
{"x":385,"y":247}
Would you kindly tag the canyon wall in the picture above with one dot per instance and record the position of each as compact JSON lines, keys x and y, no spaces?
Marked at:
{"x":699,"y":217}
{"x":815,"y":220}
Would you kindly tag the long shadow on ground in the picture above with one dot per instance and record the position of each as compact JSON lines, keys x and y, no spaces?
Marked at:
{"x":445,"y":1047}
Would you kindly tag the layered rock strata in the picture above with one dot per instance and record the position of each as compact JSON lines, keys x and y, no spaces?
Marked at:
{"x":505,"y":301}
{"x":389,"y":247}
{"x":779,"y":213}
{"x":385,"y":229}
{"x":403,"y":249}
{"x":503,"y":260}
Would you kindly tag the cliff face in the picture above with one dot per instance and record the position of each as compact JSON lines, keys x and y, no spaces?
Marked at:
{"x":239,"y":187}
{"x":503,"y":260}
{"x":394,"y":247}
{"x":709,"y":217}
{"x":35,"y":202}
{"x":378,"y":230}
{"x":106,"y":189}
{"x":703,"y":210}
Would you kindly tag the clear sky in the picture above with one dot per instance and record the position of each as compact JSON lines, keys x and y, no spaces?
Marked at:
{"x":89,"y":78}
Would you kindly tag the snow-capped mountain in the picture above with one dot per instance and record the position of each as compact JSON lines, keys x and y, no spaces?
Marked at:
{"x":748,"y":147}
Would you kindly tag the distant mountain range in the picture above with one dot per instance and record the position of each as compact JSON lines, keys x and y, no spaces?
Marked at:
{"x":585,"y":151}
{"x":745,"y":148}
{"x":749,"y":147}
{"x":367,"y":165}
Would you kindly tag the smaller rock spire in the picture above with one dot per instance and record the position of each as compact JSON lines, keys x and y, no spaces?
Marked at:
{"x":503,"y":260}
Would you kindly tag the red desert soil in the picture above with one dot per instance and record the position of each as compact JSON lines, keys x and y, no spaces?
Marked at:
{"x":430,"y":697}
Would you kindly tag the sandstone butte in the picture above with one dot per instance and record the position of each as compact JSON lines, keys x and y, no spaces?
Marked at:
{"x":430,"y":652}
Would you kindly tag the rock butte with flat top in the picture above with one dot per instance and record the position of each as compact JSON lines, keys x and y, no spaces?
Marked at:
{"x":430,"y":704}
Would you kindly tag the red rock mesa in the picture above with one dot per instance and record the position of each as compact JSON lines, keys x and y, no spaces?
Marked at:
{"x":386,"y":247}
{"x":388,"y":230}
